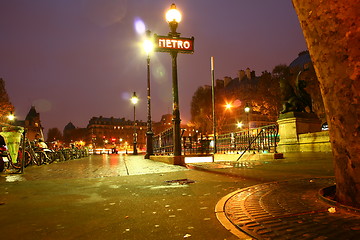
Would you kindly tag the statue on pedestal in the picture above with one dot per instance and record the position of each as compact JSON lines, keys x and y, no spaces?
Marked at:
{"x":295,"y":100}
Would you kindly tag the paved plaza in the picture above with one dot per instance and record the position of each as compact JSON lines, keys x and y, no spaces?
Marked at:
{"x":272,"y":199}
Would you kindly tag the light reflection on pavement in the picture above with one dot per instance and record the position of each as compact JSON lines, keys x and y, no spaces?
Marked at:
{"x":14,"y":178}
{"x":94,"y":166}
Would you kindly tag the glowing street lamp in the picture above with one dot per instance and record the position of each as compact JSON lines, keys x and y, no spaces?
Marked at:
{"x":227,"y":111}
{"x":239,"y":124}
{"x":173,"y":17}
{"x":148,"y":44}
{"x":228,"y":106}
{"x":134,"y":100}
{"x":247,"y":108}
{"x":174,"y":44}
{"x":11,"y":117}
{"x":148,"y":48}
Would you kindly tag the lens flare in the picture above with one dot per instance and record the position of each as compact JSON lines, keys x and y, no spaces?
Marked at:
{"x":139,"y":26}
{"x":42,"y":105}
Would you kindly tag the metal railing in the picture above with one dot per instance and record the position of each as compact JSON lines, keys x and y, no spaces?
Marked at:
{"x":263,"y":139}
{"x":163,"y":143}
{"x":196,"y":146}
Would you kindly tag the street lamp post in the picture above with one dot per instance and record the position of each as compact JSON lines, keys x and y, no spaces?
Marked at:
{"x":247,"y":109}
{"x":134,"y":99}
{"x":173,"y":17}
{"x":148,"y":47}
{"x":174,"y":44}
{"x":213,"y":102}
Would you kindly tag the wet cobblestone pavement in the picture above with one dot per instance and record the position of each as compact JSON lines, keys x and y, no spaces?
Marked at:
{"x":274,"y":200}
{"x":95,"y":166}
{"x":289,"y":210}
{"x":112,"y":197}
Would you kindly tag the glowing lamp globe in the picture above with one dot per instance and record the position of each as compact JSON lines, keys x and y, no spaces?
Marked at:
{"x":134,"y":99}
{"x":148,"y":46}
{"x":173,"y":15}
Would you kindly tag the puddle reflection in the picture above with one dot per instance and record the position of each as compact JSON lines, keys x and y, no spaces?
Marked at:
{"x":111,"y":160}
{"x":14,"y":178}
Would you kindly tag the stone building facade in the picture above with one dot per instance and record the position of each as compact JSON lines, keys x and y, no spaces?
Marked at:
{"x":32,"y":125}
{"x":116,"y":132}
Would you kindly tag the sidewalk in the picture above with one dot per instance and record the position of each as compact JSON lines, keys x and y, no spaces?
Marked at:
{"x":294,"y":165}
{"x":288,"y":204}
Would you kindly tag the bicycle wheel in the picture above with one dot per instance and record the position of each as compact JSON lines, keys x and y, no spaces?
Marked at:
{"x":61,"y":156}
{"x":28,"y":159}
{"x":2,"y":164}
{"x":38,"y":158}
{"x":35,"y":159}
{"x":44,"y":158}
{"x":18,"y":163}
{"x":51,"y":156}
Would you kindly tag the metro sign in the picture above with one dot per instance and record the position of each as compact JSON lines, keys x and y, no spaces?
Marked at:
{"x":170,"y":44}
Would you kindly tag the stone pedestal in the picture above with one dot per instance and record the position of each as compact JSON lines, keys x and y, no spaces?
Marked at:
{"x":174,"y":160}
{"x":292,"y":124}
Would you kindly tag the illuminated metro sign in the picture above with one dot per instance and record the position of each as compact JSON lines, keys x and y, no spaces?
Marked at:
{"x":169,"y":44}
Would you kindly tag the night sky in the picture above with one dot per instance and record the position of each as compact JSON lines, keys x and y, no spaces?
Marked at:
{"x":75,"y":59}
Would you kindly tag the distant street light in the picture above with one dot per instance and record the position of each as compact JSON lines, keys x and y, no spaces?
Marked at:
{"x":134,"y":99}
{"x":247,"y":109}
{"x":120,"y":142}
{"x":11,"y":117}
{"x":148,"y":47}
{"x":227,"y":119}
{"x":148,"y":43}
{"x":228,"y":106}
{"x":239,"y":125}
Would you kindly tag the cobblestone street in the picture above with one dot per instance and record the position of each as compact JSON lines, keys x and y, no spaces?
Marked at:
{"x":95,"y":166}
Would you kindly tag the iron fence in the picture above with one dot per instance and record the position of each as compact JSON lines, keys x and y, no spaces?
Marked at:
{"x":196,"y":146}
{"x":163,"y":143}
{"x":263,"y":139}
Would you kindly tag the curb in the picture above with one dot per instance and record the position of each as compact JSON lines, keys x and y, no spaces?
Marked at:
{"x":253,"y":221}
{"x":225,"y":173}
{"x":221,"y":216}
{"x":192,"y":167}
{"x":323,"y":194}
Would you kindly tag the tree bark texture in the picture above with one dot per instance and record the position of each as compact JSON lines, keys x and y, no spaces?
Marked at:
{"x":332,"y":33}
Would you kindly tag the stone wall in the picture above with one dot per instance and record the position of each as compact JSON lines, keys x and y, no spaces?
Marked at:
{"x":315,"y":142}
{"x":174,"y":160}
{"x":248,"y":156}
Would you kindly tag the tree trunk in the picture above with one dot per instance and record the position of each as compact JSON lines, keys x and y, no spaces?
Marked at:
{"x":332,"y":33}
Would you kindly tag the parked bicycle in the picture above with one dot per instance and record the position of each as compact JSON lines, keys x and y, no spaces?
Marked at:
{"x":7,"y":162}
{"x":36,"y":154}
{"x":31,"y":156}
